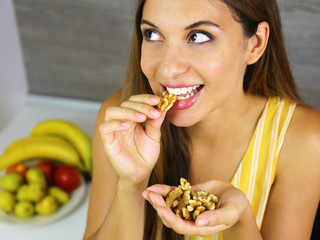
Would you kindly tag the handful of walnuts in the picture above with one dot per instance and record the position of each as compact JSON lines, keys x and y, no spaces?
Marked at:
{"x":188,"y":204}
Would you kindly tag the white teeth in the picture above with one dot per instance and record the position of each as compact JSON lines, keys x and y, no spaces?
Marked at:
{"x":182,"y":91}
{"x":186,"y":92}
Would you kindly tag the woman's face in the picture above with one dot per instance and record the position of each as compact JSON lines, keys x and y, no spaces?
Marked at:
{"x":196,"y":50}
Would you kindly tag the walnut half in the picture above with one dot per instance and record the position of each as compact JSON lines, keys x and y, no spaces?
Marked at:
{"x":166,"y":101}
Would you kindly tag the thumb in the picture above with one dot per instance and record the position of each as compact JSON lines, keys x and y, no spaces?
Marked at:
{"x":153,"y":126}
{"x":224,"y":216}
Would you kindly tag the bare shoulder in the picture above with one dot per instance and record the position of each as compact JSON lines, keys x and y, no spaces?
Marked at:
{"x":112,"y":100}
{"x":104,"y":178}
{"x":297,"y":180}
{"x":304,"y":130}
{"x":302,"y":143}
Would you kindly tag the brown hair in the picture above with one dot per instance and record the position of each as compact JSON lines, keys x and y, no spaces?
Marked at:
{"x":268,"y":77}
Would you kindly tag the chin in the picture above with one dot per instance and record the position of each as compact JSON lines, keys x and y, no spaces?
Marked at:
{"x":181,"y":120}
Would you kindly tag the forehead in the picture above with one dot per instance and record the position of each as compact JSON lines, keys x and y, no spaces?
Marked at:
{"x":187,"y":11}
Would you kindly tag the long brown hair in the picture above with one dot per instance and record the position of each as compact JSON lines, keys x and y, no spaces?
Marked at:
{"x":268,"y":77}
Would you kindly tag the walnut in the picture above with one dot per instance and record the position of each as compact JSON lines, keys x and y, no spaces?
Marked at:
{"x":166,"y":101}
{"x":188,"y":204}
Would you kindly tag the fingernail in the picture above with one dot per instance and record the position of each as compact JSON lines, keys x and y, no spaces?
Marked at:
{"x":152,"y":199}
{"x":125,"y":124}
{"x":140,"y":116}
{"x":154,"y":113}
{"x":202,"y":222}
{"x":154,"y":99}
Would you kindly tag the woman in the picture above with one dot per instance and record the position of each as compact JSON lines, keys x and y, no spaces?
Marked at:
{"x":237,"y":130}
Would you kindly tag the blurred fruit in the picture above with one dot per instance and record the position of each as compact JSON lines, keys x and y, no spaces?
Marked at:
{"x":7,"y":201}
{"x":48,"y":167}
{"x":49,"y":147}
{"x":31,"y":192}
{"x":20,"y":168}
{"x":24,"y":209}
{"x":36,"y":175}
{"x":47,"y":205}
{"x":71,"y":132}
{"x":11,"y":181}
{"x":67,"y":177}
{"x":61,"y":196}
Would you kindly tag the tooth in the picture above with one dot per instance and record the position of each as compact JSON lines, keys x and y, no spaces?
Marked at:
{"x":170,"y":90}
{"x":184,"y":90}
{"x":194,"y":87}
{"x":189,"y":89}
{"x":177,"y":91}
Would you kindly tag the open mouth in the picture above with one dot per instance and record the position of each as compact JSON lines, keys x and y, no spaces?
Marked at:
{"x":185,"y":92}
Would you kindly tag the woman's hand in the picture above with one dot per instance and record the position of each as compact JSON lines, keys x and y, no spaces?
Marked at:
{"x":132,"y":148}
{"x":230,"y":209}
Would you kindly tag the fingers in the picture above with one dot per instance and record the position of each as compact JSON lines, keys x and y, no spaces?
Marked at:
{"x":107,"y":129}
{"x":232,"y":204}
{"x":171,"y":220}
{"x":160,"y":189}
{"x":138,"y":108}
{"x":153,"y":127}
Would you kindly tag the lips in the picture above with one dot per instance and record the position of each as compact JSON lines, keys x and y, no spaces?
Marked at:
{"x":186,"y":96}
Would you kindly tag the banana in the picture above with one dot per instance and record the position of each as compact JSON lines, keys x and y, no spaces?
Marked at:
{"x":72,"y":133}
{"x":34,"y":139}
{"x":34,"y":147}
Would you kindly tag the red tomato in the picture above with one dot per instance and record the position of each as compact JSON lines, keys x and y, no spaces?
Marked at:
{"x":67,"y":177}
{"x":20,"y":168}
{"x":49,"y":168}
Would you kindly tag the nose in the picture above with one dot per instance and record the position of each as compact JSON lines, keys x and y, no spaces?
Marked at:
{"x":173,"y":62}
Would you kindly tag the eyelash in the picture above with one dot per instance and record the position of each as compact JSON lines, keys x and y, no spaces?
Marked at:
{"x":145,"y":33}
{"x":201,"y":32}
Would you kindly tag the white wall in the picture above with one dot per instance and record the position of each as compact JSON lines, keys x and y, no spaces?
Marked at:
{"x":13,"y":84}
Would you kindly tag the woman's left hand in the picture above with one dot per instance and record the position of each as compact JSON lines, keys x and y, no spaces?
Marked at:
{"x":230,"y":208}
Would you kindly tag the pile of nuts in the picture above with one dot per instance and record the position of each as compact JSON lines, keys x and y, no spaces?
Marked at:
{"x":166,"y":101}
{"x":188,"y":204}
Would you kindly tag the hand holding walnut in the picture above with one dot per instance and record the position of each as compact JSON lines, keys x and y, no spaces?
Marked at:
{"x":131,"y":147}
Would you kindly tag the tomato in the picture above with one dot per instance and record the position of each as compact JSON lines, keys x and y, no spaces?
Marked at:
{"x":67,"y":177}
{"x":49,"y":168}
{"x":20,"y":168}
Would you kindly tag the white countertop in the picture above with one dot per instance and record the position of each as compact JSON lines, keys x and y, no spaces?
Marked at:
{"x":38,"y":108}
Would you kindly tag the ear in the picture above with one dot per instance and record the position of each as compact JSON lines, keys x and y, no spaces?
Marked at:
{"x":258,"y":43}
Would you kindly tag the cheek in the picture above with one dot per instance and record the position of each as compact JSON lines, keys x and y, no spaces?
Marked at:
{"x":224,"y":68}
{"x":149,"y":61}
{"x":147,"y":65}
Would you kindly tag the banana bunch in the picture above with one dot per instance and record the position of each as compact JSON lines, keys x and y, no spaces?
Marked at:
{"x":55,"y":139}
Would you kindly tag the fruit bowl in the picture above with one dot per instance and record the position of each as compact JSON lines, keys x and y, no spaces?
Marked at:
{"x":76,"y":198}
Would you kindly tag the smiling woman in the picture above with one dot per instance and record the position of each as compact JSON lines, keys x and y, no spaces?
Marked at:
{"x":237,"y":129}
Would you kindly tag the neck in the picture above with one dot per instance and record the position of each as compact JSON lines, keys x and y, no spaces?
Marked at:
{"x":233,"y":119}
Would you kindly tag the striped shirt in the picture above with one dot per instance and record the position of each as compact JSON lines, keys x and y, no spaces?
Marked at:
{"x":256,"y":172}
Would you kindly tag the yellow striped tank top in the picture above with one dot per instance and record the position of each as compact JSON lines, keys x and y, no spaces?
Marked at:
{"x":256,"y":172}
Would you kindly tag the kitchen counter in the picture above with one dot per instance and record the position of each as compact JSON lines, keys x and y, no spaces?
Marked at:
{"x":38,"y":108}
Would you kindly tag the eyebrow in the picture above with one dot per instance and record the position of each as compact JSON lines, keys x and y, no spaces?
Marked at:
{"x":197,"y":24}
{"x":143,"y":21}
{"x":194,"y":25}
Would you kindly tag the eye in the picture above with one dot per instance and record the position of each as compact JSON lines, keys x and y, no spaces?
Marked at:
{"x":200,"y":37}
{"x":151,"y":35}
